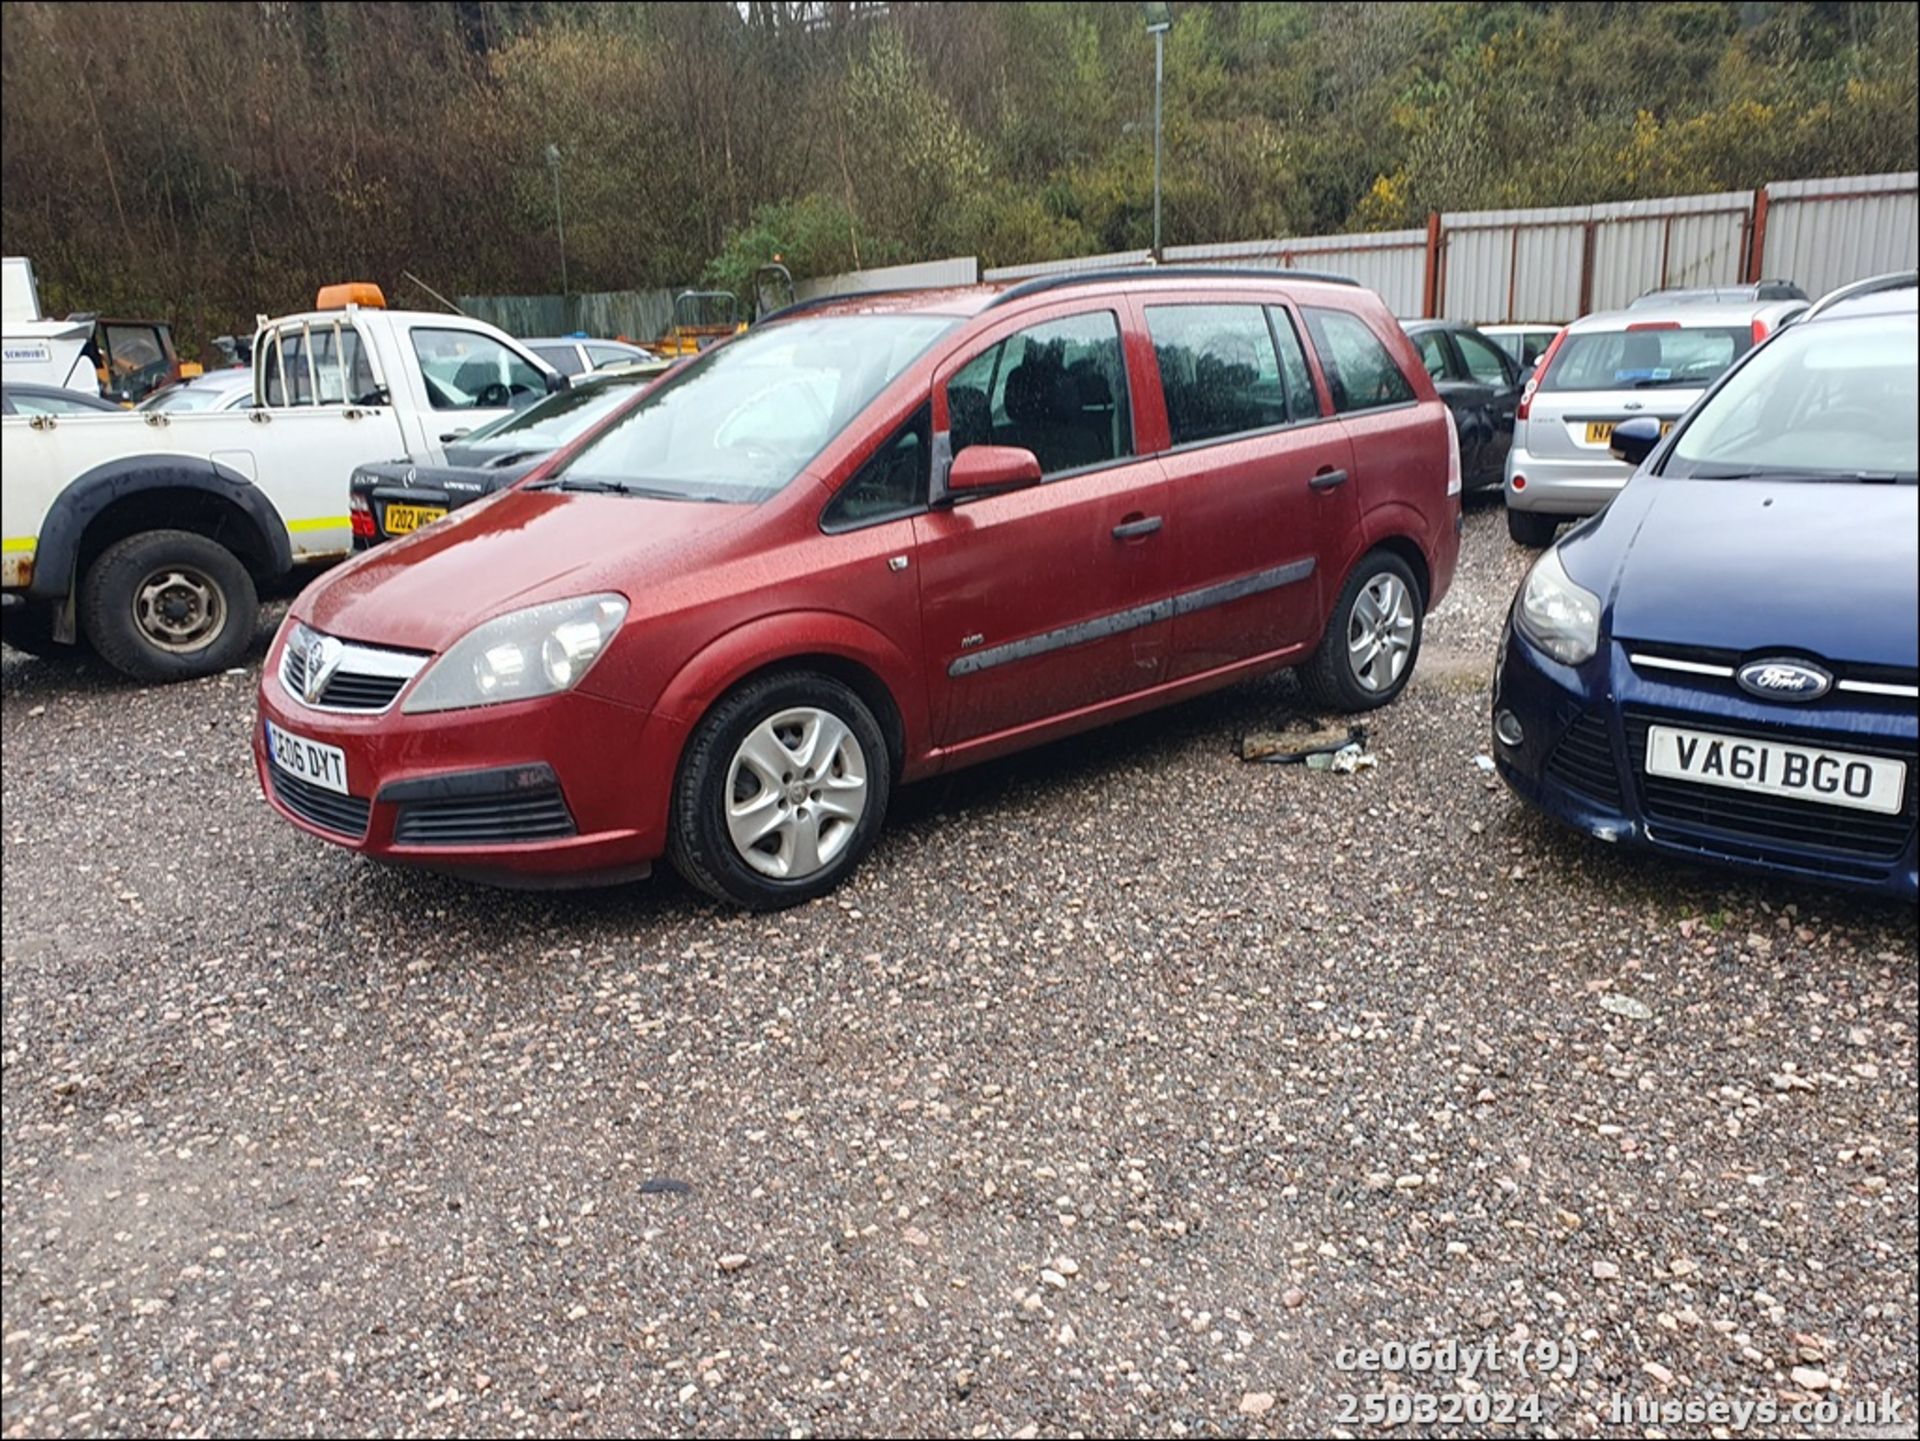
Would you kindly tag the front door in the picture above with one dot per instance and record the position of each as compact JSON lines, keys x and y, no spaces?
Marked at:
{"x":1048,"y":599}
{"x":1496,"y":388}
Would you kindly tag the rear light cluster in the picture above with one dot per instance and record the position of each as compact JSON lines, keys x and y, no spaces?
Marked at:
{"x":1453,"y":455}
{"x":1539,"y":374}
{"x":1759,"y":331}
{"x":360,"y":516}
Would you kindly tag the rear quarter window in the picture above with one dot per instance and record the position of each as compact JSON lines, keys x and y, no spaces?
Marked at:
{"x":1361,"y":372}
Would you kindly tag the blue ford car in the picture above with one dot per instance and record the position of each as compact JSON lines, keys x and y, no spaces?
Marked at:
{"x":1723,"y":664}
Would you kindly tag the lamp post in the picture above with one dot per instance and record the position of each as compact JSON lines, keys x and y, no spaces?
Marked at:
{"x":559,"y":223}
{"x":1159,"y":15}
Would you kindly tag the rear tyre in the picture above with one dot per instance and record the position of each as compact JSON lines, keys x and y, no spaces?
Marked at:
{"x":1533,"y":531}
{"x":1372,"y":638}
{"x":168,"y":605}
{"x":781,"y":791}
{"x":28,"y":628}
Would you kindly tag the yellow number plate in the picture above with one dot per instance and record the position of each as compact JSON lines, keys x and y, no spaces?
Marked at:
{"x":405,"y":519}
{"x":1599,"y":432}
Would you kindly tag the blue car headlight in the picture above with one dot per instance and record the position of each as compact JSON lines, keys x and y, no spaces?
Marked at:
{"x":1562,"y":618}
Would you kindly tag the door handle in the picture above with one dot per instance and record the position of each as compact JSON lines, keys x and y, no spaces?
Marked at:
{"x":1137,"y":528}
{"x":1328,"y":479}
{"x":453,"y":435}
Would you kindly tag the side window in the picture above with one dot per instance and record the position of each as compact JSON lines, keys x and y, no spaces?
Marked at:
{"x":467,"y":371}
{"x":1058,"y":390}
{"x":892,"y":483}
{"x":563,"y":358}
{"x":340,"y":370}
{"x":293,"y":369}
{"x":1484,"y":363}
{"x":1302,"y":403}
{"x":598,"y":355}
{"x":1360,"y":371}
{"x":1218,"y":370}
{"x":1433,"y":353}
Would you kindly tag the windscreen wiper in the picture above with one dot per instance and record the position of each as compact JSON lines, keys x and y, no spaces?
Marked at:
{"x":587,"y":486}
{"x":1859,"y":477}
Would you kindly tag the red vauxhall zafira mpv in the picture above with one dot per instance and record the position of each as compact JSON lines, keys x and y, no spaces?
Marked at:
{"x":874,"y":539}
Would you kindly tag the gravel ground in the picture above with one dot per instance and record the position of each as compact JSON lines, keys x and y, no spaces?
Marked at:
{"x":1124,"y":1089}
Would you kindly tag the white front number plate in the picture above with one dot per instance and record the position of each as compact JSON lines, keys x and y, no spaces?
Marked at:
{"x":1801,"y":773}
{"x":321,"y":765}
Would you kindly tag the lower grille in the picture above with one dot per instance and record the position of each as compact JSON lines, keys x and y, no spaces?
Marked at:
{"x":484,"y":820}
{"x":329,"y":810}
{"x":1583,"y":761}
{"x":1843,"y":834}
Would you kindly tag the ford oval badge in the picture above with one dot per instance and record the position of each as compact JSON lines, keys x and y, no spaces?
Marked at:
{"x":1783,"y":679}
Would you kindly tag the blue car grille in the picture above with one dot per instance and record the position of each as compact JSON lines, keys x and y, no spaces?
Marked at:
{"x":1583,"y":761}
{"x":1851,"y":842}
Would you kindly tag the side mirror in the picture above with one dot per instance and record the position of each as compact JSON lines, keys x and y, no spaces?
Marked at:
{"x":1633,"y":440}
{"x":556,"y":382}
{"x":992,"y":467}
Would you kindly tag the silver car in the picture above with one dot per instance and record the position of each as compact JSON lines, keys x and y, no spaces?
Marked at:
{"x":1648,"y":361}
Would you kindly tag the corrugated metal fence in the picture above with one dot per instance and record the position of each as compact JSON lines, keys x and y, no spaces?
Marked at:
{"x":638,"y":315}
{"x":1557,"y":263}
{"x":927,"y":275}
{"x":1550,"y":264}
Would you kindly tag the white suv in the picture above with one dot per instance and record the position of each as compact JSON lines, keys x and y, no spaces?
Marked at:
{"x":1603,"y":369}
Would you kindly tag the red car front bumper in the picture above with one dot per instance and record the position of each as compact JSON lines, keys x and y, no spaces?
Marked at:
{"x":554,"y":791}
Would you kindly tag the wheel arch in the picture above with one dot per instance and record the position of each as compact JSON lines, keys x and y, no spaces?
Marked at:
{"x":140,"y":493}
{"x":1393,"y":528}
{"x":849,"y":650}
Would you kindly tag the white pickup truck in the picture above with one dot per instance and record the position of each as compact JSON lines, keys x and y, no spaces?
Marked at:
{"x":148,"y":533}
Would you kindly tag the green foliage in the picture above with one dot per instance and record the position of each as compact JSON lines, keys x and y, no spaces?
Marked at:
{"x":813,"y":235}
{"x":205,"y":162}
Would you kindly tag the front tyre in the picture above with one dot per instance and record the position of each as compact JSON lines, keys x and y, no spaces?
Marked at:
{"x":782,"y":790}
{"x":168,"y":605}
{"x":1372,"y":638}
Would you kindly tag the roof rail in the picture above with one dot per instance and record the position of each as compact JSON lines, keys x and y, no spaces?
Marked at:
{"x":1872,"y":285}
{"x":1042,"y":283}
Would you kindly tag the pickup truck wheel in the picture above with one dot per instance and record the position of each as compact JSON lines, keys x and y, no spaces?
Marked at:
{"x":168,"y":605}
{"x":1372,"y":639}
{"x":28,"y":628}
{"x":781,"y":791}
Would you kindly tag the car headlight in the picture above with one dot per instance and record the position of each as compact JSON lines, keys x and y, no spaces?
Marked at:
{"x":542,"y":650}
{"x":1563,"y":619}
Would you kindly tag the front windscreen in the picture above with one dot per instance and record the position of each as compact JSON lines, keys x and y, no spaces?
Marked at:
{"x":1837,"y":398}
{"x":744,"y":419}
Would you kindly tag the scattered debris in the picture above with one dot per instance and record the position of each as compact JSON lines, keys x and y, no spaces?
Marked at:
{"x":664,"y":1186}
{"x":1485,"y":763}
{"x":1626,"y":1006}
{"x":1300,"y":742}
